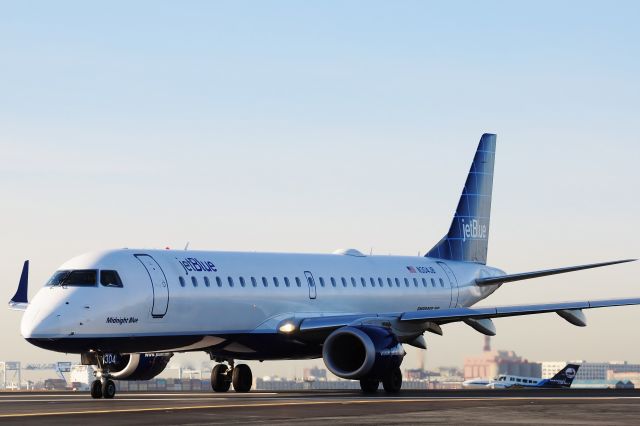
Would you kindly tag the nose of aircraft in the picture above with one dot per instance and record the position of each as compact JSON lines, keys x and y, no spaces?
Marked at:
{"x":30,"y":324}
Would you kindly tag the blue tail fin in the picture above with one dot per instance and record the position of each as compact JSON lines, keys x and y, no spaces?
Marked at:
{"x":469,"y":232}
{"x":563,"y":378}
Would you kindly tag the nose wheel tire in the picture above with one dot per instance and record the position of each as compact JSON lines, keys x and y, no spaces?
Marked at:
{"x":392,"y":380}
{"x":369,"y":385}
{"x":219,"y":379}
{"x":108,"y":389}
{"x":96,"y":389}
{"x":242,"y":378}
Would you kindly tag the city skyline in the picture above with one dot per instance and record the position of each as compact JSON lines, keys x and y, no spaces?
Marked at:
{"x":294,"y":127}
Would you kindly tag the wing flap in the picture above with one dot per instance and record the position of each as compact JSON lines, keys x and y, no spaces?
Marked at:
{"x":445,"y":316}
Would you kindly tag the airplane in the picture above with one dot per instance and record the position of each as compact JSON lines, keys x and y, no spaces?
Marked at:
{"x":127,"y":311}
{"x":562,"y":379}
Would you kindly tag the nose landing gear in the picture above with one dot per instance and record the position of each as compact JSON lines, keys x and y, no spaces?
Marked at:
{"x":100,"y":389}
{"x":103,"y":386}
{"x":222,"y":377}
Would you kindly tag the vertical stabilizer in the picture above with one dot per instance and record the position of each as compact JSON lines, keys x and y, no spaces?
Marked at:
{"x":563,"y":378}
{"x":469,"y":232}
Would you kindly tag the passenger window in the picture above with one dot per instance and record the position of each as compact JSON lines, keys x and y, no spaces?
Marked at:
{"x":363,"y":282}
{"x":353,"y":282}
{"x":298,"y":283}
{"x":441,"y":283}
{"x":321,"y":282}
{"x":286,"y":282}
{"x":397,"y":282}
{"x":275,"y":282}
{"x":380,"y":284}
{"x":242,"y":283}
{"x":230,"y":281}
{"x":182,"y":284}
{"x":206,"y":282}
{"x":194,"y":281}
{"x":415,"y":282}
{"x":253,"y":282}
{"x":433,"y":282}
{"x":265,"y":282}
{"x":406,"y":282}
{"x":110,"y":279}
{"x":344,"y":282}
{"x":424,"y":282}
{"x":372,"y":281}
{"x":219,"y":281}
{"x":389,"y":282}
{"x":333,"y":282}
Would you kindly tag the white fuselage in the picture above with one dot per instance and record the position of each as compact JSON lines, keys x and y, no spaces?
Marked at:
{"x":214,"y":297}
{"x":502,"y":382}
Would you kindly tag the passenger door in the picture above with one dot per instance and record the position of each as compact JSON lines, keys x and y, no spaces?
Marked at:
{"x":453,"y":282}
{"x":312,"y":284}
{"x":159,"y":285}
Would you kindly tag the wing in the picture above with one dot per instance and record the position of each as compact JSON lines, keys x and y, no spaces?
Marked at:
{"x":410,"y":325}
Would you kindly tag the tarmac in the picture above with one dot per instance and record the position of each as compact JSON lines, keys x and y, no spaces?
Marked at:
{"x":478,"y":407}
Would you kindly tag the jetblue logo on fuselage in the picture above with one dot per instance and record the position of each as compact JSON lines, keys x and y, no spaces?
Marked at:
{"x":191,"y":264}
{"x":473,"y":230}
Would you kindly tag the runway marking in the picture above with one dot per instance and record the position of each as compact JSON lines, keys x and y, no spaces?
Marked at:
{"x":285,"y":404}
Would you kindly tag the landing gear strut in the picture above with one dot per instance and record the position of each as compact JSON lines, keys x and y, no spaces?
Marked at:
{"x":222,"y":377}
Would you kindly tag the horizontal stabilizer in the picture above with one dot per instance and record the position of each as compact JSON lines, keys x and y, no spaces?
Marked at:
{"x":537,"y":274}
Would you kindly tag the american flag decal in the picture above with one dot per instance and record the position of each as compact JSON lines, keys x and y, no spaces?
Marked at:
{"x":411,"y":269}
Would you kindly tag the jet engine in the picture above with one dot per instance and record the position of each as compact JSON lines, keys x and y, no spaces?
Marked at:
{"x":139,"y":366}
{"x":362,"y":352}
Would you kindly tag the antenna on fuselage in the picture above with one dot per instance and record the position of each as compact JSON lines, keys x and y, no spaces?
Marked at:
{"x":186,"y":247}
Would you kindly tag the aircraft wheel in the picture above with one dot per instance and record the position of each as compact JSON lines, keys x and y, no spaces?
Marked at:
{"x":96,"y":389}
{"x":108,"y":389}
{"x":219,"y":379}
{"x":392,"y":380}
{"x":242,"y":378}
{"x":369,"y":385}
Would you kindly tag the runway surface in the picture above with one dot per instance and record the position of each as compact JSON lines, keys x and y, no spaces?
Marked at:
{"x":566,"y":407}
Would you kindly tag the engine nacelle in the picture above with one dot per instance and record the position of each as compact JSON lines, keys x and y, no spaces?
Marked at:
{"x":139,"y":366}
{"x":362,"y":352}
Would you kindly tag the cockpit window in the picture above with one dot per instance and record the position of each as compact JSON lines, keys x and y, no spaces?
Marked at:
{"x":57,"y":278}
{"x":77,"y":278}
{"x":81,"y":278}
{"x":110,"y":279}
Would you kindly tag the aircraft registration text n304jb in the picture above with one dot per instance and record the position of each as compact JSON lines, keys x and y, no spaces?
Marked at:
{"x":128,"y":311}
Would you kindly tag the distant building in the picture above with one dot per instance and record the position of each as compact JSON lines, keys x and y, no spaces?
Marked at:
{"x":493,"y":363}
{"x":314,"y":373}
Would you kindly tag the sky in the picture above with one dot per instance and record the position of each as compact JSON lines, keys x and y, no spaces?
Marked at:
{"x":311,"y":126}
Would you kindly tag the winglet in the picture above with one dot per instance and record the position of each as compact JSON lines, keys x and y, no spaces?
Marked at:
{"x":19,"y":300}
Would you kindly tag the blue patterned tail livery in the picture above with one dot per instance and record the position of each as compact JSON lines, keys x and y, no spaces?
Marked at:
{"x":563,"y":378}
{"x":469,"y":232}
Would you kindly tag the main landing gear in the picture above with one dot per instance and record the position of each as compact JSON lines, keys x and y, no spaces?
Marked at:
{"x":222,"y":377}
{"x":391,"y":382}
